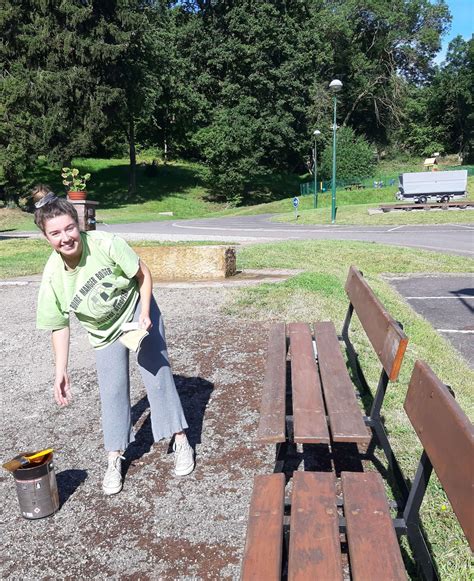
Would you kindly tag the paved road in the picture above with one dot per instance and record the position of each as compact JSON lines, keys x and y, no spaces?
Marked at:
{"x":450,"y":238}
{"x":447,"y":302}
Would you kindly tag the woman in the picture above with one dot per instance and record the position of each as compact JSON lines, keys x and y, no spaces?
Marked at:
{"x":97,"y":276}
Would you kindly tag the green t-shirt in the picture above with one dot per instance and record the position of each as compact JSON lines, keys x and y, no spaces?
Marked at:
{"x":101,"y":290}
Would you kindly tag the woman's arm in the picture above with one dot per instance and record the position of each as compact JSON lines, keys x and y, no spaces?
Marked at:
{"x":145,"y":287}
{"x":62,"y":388}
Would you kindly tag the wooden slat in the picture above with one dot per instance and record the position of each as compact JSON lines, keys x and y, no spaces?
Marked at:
{"x":388,"y":340}
{"x":315,"y":551}
{"x":309,"y":415}
{"x":271,"y":428}
{"x":263,"y":546}
{"x":447,"y":436}
{"x":345,"y":416}
{"x":373,"y":546}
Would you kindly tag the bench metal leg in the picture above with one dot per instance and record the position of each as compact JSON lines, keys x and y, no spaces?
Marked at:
{"x":347,"y":322}
{"x":394,"y":467}
{"x":421,"y":553}
{"x":280,"y":456}
{"x":378,"y":430}
{"x":412,"y":518}
{"x":379,"y":396}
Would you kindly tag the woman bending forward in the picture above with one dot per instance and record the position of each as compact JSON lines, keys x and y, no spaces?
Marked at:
{"x":99,"y":278}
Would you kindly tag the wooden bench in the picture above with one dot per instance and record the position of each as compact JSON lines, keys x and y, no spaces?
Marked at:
{"x":304,"y":541}
{"x":316,"y":403}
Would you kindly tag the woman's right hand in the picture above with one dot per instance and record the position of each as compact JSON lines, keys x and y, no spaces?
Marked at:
{"x":62,"y":389}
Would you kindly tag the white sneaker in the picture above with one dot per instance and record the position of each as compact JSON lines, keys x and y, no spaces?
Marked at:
{"x":113,"y":481}
{"x":183,"y":458}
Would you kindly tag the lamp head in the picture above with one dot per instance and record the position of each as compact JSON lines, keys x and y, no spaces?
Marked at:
{"x":316,"y":132}
{"x":335,"y":86}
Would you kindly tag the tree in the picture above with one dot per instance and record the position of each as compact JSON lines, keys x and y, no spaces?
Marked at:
{"x":451,"y":103}
{"x":249,"y":68}
{"x":139,"y":73}
{"x":262,"y":69}
{"x":355,"y":157}
{"x":416,"y":133}
{"x":54,"y":54}
{"x":74,"y":72}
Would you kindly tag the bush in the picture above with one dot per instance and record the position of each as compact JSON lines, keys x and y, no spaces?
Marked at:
{"x":355,"y":158}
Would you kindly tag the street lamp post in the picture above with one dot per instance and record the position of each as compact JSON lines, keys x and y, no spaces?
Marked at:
{"x":334,"y":86}
{"x":316,"y":132}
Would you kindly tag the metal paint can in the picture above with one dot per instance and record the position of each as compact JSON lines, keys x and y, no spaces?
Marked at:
{"x":37,"y":489}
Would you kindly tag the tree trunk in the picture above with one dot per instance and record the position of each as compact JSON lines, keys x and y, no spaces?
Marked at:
{"x":132,"y":171}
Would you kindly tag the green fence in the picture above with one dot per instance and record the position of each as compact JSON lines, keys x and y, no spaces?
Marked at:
{"x":381,"y":181}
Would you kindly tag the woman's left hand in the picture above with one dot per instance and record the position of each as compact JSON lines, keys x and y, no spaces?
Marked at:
{"x":145,"y":322}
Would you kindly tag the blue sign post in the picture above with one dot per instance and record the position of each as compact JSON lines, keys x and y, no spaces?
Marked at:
{"x":296,"y":203}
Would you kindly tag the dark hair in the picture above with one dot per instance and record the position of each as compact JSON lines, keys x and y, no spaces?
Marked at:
{"x":48,"y":206}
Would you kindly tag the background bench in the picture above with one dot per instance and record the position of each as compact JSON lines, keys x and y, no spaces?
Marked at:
{"x":307,"y":543}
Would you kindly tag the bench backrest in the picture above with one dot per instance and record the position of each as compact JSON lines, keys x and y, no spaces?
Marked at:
{"x":447,"y":436}
{"x":386,"y":336}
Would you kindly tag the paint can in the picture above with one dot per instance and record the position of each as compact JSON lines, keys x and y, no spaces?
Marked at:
{"x":37,"y":489}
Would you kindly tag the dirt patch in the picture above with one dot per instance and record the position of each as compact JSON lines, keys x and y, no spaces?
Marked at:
{"x":159,"y":526}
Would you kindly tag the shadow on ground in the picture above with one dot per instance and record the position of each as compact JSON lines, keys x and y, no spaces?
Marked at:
{"x":194,"y":393}
{"x":68,"y":482}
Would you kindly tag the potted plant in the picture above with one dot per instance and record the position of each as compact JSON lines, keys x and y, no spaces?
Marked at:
{"x":75,"y":183}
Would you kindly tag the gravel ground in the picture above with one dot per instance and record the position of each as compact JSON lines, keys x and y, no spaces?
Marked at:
{"x":159,"y":526}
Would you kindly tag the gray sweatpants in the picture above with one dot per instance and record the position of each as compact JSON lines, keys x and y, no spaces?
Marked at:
{"x":167,"y":417}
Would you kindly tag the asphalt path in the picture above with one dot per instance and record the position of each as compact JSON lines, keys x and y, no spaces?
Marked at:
{"x":447,"y":302}
{"x":449,"y":238}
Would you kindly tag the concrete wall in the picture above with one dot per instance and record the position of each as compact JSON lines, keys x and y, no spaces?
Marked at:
{"x":188,"y":262}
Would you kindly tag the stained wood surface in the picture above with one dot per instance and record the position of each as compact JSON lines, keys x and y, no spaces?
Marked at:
{"x":263,"y":545}
{"x":345,"y":415}
{"x":388,"y":340}
{"x":309,"y":414}
{"x":373,"y":546}
{"x":447,"y":436}
{"x":315,"y":551}
{"x":271,"y":428}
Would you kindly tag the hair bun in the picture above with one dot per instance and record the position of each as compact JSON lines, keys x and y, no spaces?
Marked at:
{"x":42,"y":195}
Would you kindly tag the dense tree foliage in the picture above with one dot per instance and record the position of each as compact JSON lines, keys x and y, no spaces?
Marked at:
{"x":237,"y":84}
{"x":451,"y":96}
{"x":74,"y":73}
{"x":355,"y":158}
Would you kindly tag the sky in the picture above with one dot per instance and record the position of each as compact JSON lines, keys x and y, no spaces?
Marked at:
{"x":462,"y":12}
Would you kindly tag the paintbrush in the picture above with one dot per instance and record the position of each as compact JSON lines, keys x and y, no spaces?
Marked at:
{"x":23,"y":460}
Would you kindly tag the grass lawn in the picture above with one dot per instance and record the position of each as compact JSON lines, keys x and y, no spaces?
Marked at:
{"x":318,"y":294}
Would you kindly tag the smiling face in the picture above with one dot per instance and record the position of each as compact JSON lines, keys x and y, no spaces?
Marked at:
{"x":62,"y":232}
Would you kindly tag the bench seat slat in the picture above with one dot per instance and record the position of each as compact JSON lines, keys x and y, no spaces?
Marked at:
{"x":447,"y":436}
{"x":315,"y":551}
{"x":309,"y":414}
{"x":264,"y":542}
{"x":271,"y":428}
{"x":373,"y":545}
{"x":345,"y":416}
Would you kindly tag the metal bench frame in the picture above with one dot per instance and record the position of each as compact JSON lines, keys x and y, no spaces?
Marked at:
{"x":374,"y":419}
